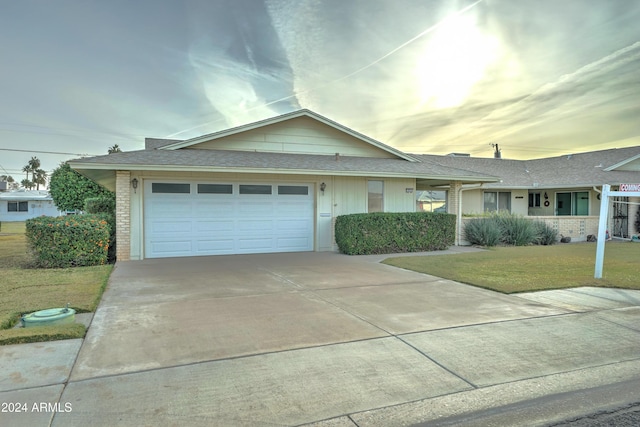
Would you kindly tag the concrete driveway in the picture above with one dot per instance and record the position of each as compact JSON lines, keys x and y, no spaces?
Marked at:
{"x":290,"y":339}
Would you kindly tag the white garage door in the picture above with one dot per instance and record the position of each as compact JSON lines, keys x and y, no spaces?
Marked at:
{"x":212,"y":218}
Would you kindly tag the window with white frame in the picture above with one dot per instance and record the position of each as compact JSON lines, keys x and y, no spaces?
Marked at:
{"x":375,"y":193}
{"x":497,"y":201}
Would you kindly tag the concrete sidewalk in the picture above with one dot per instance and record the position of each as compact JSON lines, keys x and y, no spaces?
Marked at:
{"x":291,"y":339}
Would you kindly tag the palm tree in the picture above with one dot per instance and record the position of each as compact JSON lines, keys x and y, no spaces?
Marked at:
{"x":31,"y":167}
{"x":114,"y":149}
{"x":27,"y":184}
{"x":27,"y":169}
{"x":39,"y":178}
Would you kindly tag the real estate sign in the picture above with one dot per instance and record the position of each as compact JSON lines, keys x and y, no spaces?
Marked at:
{"x":629,"y":187}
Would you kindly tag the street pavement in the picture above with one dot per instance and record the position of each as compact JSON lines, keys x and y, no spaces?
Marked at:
{"x":328,"y":340}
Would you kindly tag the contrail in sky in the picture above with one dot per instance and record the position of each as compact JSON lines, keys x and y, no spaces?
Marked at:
{"x":536,"y":105}
{"x":385,"y":56}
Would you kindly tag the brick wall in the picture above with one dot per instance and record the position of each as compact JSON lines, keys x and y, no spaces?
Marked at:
{"x":453,"y":201}
{"x":123,"y":215}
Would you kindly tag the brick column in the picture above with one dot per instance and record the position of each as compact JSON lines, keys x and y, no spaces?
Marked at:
{"x":453,"y":203}
{"x":123,"y":215}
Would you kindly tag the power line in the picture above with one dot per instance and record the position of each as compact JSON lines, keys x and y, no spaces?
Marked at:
{"x":49,"y":152}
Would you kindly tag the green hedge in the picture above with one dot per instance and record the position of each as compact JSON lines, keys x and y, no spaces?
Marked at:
{"x":106,"y":206}
{"x":384,"y":233}
{"x":69,"y":241}
{"x":94,"y":205}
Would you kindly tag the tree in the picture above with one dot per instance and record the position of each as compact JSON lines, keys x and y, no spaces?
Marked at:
{"x":39,"y":178}
{"x":69,"y":189}
{"x":32,"y":167}
{"x":114,"y":149}
{"x":11,"y":183}
{"x":27,"y":184}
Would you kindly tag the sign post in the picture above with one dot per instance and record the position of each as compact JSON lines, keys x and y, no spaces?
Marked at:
{"x":626,"y":190}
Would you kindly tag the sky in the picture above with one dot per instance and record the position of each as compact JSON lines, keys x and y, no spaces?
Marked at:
{"x":540,"y":78}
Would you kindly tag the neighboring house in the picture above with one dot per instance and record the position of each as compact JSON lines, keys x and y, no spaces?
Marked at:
{"x":563,"y":191}
{"x":21,"y":205}
{"x":272,"y":186}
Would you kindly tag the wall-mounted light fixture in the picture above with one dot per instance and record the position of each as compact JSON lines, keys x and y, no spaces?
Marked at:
{"x":323,"y":187}
{"x":134,"y":184}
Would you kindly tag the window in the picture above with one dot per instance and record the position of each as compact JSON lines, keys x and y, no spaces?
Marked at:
{"x":375,"y":192}
{"x":18,"y":206}
{"x":431,"y":201}
{"x":534,"y":200}
{"x":255,"y":189}
{"x":497,"y":201}
{"x":161,"y":187}
{"x":572,"y":203}
{"x":215,"y":189}
{"x":293,"y":190}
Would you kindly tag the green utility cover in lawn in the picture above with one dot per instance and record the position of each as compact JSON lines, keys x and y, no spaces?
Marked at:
{"x":53,"y":316}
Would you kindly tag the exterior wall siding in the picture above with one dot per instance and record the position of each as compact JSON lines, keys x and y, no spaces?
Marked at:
{"x":302,"y":135}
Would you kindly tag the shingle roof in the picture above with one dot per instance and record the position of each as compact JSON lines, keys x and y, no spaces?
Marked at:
{"x":295,"y":163}
{"x":581,"y":169}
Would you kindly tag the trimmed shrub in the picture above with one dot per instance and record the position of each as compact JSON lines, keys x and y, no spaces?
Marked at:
{"x":94,"y":205}
{"x":386,"y":232}
{"x":106,"y":207}
{"x":69,"y":241}
{"x":483,"y":232}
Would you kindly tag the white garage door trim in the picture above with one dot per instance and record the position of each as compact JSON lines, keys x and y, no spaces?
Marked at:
{"x":190,"y":218}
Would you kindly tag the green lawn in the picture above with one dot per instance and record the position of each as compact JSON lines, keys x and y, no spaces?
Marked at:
{"x":24,"y":289}
{"x":532,"y":268}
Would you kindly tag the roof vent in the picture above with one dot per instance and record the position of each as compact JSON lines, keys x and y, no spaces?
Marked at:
{"x":496,"y":154}
{"x":337,"y":156}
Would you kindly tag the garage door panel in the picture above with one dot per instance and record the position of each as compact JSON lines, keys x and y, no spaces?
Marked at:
{"x":204,"y":222}
{"x":255,"y":226}
{"x":213,"y":209}
{"x":171,"y":227}
{"x":258,"y":244}
{"x":251,"y":209}
{"x":172,"y":248}
{"x":217,"y":246}
{"x":290,"y":244}
{"x":215,"y":226}
{"x":296,"y":225}
{"x":297,"y":209}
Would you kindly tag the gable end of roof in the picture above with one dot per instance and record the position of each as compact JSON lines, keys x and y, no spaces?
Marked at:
{"x":284,"y":117}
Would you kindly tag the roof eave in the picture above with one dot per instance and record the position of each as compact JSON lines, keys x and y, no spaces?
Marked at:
{"x":83,"y":168}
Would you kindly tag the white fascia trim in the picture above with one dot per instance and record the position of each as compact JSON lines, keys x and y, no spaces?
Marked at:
{"x":622,"y":163}
{"x":169,"y":168}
